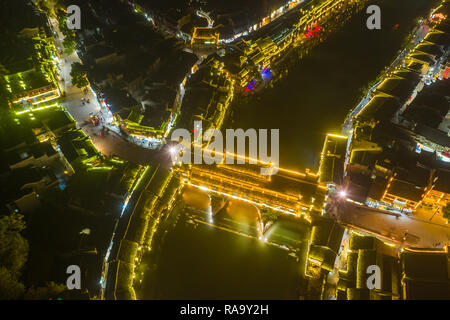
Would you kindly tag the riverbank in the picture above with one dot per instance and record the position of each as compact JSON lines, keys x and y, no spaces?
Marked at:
{"x":320,"y":90}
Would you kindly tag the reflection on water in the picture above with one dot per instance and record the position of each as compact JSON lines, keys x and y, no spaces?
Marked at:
{"x":325,"y":85}
{"x":206,"y":263}
{"x":242,"y":211}
{"x":196,"y":198}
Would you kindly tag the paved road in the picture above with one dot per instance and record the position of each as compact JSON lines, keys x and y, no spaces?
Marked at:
{"x":107,"y":143}
{"x":389,"y":226}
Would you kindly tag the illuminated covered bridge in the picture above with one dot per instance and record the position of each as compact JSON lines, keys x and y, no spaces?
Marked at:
{"x":287,"y":191}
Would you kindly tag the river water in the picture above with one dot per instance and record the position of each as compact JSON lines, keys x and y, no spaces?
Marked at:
{"x":324,"y":86}
{"x":313,"y":99}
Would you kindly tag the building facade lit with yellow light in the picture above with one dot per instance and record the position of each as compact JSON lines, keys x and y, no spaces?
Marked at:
{"x":205,"y":37}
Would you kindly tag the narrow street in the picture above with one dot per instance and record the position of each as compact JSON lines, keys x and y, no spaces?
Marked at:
{"x":106,"y":135}
{"x":426,"y":234}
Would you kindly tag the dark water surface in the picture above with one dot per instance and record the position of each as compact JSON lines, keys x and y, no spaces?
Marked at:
{"x":207,"y":263}
{"x":324,"y":86}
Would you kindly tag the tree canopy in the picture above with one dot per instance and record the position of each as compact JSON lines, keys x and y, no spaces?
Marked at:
{"x":69,"y":42}
{"x":14,"y":248}
{"x":13,"y":255}
{"x":50,"y":6}
{"x":50,"y":291}
{"x":10,"y":287}
{"x":78,"y":74}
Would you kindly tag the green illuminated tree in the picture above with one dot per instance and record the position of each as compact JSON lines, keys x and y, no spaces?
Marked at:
{"x":49,"y":6}
{"x":14,"y":248}
{"x":69,"y":42}
{"x":13,"y":255}
{"x":10,"y":287}
{"x":50,"y":291}
{"x":69,"y":45}
{"x":78,"y":74}
{"x":62,"y":22}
